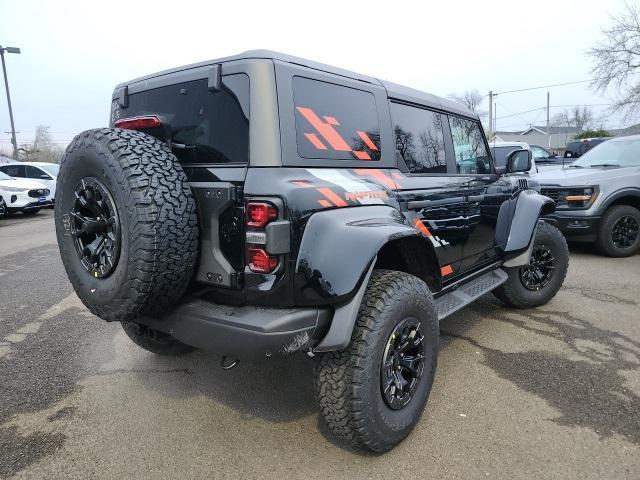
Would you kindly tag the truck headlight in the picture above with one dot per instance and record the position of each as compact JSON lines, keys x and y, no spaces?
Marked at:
{"x":581,"y":197}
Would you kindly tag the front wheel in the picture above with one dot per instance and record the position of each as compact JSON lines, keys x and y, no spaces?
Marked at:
{"x":619,"y":231}
{"x":538,"y":282}
{"x":373,"y":393}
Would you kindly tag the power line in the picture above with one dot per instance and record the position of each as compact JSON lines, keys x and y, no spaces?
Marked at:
{"x":554,"y":106}
{"x":541,"y":86}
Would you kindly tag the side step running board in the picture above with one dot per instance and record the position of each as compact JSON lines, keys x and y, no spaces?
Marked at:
{"x":467,"y":293}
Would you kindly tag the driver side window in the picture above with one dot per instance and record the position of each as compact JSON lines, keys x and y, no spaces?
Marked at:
{"x":539,"y":152}
{"x":469,"y":147}
{"x":33,"y":172}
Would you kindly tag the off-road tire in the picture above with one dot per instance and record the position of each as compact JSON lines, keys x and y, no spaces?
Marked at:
{"x":604,"y":241}
{"x":3,"y":207}
{"x":514,"y":294}
{"x":347,"y":382}
{"x":155,"y":341}
{"x":158,"y":222}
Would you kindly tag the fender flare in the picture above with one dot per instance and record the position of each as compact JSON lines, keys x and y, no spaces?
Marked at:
{"x":625,"y":192}
{"x":339,"y":246}
{"x":522,"y":214}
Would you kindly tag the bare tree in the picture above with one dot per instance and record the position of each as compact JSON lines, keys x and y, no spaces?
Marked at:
{"x":472,"y":99}
{"x":42,"y":149}
{"x":617,"y":61}
{"x":579,"y":116}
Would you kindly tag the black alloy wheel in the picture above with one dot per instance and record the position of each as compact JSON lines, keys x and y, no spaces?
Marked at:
{"x":539,"y":272}
{"x":95,"y":227}
{"x":625,"y":232}
{"x":402,"y":364}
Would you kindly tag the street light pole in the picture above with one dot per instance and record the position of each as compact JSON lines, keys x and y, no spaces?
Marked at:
{"x":6,"y":84}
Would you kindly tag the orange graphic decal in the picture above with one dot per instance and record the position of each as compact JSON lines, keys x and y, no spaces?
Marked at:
{"x":301,"y":183}
{"x":325,"y":203}
{"x":370,"y":194}
{"x":331,"y":120}
{"x":367,"y":141}
{"x":377,"y":175}
{"x":313,"y":138}
{"x":420,"y":226}
{"x":360,"y":155}
{"x":397,"y":175}
{"x":446,"y":270}
{"x":333,"y":197}
{"x":325,"y":129}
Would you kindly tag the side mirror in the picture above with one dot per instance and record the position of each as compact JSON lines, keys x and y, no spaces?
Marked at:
{"x":519,"y":161}
{"x":501,"y":170}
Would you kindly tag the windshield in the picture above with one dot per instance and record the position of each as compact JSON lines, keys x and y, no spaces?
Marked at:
{"x":4,"y":176}
{"x":52,"y":169}
{"x":623,"y":153}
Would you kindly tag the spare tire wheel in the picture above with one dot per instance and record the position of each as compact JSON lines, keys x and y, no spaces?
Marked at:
{"x":126,"y":223}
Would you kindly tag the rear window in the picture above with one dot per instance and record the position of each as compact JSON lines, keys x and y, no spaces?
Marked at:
{"x":335,"y":122}
{"x":206,"y":127}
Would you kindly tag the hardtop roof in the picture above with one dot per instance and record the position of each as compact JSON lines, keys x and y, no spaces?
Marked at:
{"x":394,"y":90}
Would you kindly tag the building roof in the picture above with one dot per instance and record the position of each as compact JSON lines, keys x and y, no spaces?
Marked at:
{"x":555,"y":130}
{"x":393,"y":90}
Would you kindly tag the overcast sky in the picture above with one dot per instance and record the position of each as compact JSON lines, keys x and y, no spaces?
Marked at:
{"x":73,"y":53}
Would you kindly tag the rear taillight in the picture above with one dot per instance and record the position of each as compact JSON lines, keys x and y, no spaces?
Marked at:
{"x":258,"y":216}
{"x":138,"y":123}
{"x":260,"y":261}
{"x":260,"y":213}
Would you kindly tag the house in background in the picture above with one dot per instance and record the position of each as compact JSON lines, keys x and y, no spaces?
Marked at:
{"x":535,"y":135}
{"x":4,"y":159}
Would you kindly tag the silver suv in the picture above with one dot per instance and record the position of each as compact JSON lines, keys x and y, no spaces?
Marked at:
{"x":598,"y":196}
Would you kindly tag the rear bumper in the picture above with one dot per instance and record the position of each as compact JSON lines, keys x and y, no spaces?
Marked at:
{"x":577,"y":228}
{"x":248,"y":333}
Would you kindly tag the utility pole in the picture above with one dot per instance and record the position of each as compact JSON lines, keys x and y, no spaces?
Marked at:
{"x":6,"y":84}
{"x":548,"y":136}
{"x":490,"y":115}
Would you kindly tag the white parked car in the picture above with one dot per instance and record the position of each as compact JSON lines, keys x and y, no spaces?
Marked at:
{"x":500,"y":151}
{"x":41,"y":172}
{"x":22,"y":195}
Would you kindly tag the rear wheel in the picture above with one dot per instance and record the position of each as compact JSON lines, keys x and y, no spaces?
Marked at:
{"x":538,"y":282}
{"x":155,"y":341}
{"x":373,"y":393}
{"x":619,"y":231}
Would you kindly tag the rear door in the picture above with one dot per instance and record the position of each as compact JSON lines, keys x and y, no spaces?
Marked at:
{"x":209,"y":132}
{"x":429,"y":192}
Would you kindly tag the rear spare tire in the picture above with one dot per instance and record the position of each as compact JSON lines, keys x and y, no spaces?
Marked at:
{"x":126,"y":223}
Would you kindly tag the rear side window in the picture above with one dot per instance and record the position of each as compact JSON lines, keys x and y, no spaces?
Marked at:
{"x":419,"y":138}
{"x":469,"y":147}
{"x":335,"y":122}
{"x":206,"y":127}
{"x":16,"y":171}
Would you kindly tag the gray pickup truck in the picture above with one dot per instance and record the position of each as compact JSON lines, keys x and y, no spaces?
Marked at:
{"x":598,"y":196}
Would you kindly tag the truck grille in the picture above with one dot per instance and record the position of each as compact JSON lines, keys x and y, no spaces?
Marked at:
{"x":552,"y":193}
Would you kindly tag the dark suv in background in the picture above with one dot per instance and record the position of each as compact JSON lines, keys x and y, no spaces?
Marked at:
{"x":262,"y":205}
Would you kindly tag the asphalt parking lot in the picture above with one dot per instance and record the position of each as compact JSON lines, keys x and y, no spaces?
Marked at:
{"x":547,"y":393}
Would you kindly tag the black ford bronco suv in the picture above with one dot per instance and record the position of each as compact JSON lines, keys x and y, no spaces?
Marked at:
{"x":261,"y":205}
